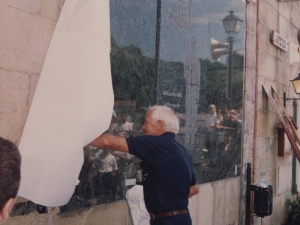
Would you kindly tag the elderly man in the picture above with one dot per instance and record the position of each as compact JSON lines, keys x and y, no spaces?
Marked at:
{"x":10,"y":163}
{"x":168,"y":175}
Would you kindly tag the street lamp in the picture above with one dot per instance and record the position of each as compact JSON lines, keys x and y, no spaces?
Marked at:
{"x":296,"y":85}
{"x":232,"y":25}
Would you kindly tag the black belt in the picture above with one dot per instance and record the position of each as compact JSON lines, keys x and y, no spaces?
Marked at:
{"x":154,"y":216}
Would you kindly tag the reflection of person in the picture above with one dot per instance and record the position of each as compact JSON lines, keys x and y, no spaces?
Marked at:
{"x":212,"y":118}
{"x":123,"y":160}
{"x":10,"y":163}
{"x":108,"y":176}
{"x":114,"y":127}
{"x":168,"y":175}
{"x":220,"y":116}
{"x":239,"y":111}
{"x":212,"y":137}
{"x":126,"y":126}
{"x":85,"y":187}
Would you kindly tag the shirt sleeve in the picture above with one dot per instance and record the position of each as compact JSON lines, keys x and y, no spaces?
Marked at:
{"x":144,"y":147}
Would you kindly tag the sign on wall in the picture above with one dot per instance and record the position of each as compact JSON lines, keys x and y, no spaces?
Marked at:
{"x":279,"y":41}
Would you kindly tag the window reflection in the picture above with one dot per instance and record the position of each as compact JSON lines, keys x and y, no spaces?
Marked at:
{"x":188,"y":80}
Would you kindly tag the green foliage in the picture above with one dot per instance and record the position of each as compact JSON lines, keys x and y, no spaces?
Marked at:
{"x":294,"y":209}
{"x":132,"y":75}
{"x":134,"y":79}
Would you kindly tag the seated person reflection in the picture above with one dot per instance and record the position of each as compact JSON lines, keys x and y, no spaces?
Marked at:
{"x":168,"y":175}
{"x":10,"y":175}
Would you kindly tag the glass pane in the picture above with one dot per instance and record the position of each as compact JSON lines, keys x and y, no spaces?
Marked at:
{"x":186,"y":61}
{"x":205,"y":91}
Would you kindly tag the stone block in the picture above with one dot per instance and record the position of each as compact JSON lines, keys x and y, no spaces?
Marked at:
{"x":283,"y":28}
{"x":266,"y":124}
{"x":273,"y":3}
{"x":262,"y":102}
{"x":267,"y":15}
{"x":250,"y":50}
{"x":266,"y":65}
{"x":51,"y":8}
{"x":16,"y":92}
{"x":206,"y":206}
{"x":283,"y":75}
{"x":264,"y":37}
{"x":284,"y":9}
{"x":263,"y":146}
{"x":251,"y":18}
{"x":31,"y":6}
{"x":219,"y":202}
{"x":114,"y":213}
{"x":250,"y":83}
{"x":293,"y":33}
{"x":295,"y":15}
{"x":248,"y":125}
{"x":232,"y":201}
{"x":248,"y":148}
{"x":284,"y":179}
{"x":24,"y":40}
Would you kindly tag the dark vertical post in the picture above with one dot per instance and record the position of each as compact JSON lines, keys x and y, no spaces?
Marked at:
{"x":157,"y":45}
{"x":229,"y":71}
{"x":248,"y":194}
{"x":294,"y":182}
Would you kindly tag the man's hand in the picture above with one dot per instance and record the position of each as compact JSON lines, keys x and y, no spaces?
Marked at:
{"x":194,"y":190}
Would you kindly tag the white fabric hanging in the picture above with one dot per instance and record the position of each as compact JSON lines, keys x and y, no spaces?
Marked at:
{"x":72,"y":104}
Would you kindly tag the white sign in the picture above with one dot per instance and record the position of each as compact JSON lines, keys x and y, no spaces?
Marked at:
{"x":173,"y":94}
{"x":279,"y":41}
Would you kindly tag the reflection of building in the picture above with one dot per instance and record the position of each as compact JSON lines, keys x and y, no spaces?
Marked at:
{"x":192,"y":75}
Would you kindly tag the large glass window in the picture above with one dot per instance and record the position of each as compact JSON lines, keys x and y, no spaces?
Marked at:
{"x":185,"y":54}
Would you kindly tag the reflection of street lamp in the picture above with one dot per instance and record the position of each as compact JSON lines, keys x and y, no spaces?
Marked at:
{"x":232,"y":25}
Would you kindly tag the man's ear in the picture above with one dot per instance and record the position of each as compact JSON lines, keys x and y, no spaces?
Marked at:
{"x":4,"y":214}
{"x":160,"y":124}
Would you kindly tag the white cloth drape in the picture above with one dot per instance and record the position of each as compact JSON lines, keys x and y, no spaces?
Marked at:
{"x":72,"y":105}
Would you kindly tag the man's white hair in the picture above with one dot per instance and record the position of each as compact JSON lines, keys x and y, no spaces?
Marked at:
{"x":167,"y":115}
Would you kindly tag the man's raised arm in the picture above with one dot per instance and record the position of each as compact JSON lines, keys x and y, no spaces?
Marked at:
{"x":111,"y":142}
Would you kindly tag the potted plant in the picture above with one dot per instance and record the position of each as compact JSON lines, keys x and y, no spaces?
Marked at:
{"x":294,"y":211}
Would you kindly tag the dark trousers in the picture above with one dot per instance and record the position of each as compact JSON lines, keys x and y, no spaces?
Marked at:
{"x":182,"y":219}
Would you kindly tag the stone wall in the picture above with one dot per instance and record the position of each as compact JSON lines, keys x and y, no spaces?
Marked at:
{"x":216,"y":203}
{"x":26,"y":30}
{"x":274,"y":69}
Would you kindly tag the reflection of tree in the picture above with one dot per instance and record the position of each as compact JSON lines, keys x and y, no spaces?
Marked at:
{"x":132,"y":75}
{"x":213,"y":86}
{"x":133,"y":79}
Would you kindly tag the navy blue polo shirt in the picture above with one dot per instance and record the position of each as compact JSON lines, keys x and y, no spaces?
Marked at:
{"x":167,"y":171}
